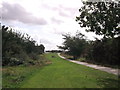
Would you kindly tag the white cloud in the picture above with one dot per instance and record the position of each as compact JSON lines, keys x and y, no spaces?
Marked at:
{"x":54,"y":20}
{"x":44,"y":20}
{"x":15,"y":12}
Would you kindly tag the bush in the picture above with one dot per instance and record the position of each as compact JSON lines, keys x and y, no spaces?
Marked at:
{"x":82,"y":59}
{"x":11,"y":61}
{"x":5,"y":61}
{"x":14,"y":61}
{"x":18,"y":48}
{"x":33,"y":56}
{"x":105,"y":51}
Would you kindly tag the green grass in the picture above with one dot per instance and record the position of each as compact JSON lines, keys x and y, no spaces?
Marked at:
{"x":65,"y":74}
{"x":14,"y":76}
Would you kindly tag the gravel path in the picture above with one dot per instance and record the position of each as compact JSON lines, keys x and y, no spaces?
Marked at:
{"x":106,"y":69}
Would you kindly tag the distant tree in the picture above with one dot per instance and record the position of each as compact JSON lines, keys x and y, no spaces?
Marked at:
{"x":62,"y":47}
{"x":103,"y":18}
{"x":54,"y":51}
{"x":74,"y":45}
{"x":42,"y":48}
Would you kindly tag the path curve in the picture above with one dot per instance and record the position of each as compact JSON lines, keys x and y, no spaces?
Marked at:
{"x":106,"y":69}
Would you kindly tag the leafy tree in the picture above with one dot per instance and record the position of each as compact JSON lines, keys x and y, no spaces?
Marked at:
{"x":42,"y":48}
{"x":103,"y":18}
{"x":74,"y":45}
{"x":105,"y":51}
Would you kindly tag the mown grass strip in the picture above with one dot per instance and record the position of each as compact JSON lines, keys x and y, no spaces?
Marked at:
{"x":65,"y":74}
{"x":14,"y":76}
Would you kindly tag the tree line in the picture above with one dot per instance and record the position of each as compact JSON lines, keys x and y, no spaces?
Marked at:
{"x":102,"y":18}
{"x":54,"y":51}
{"x":18,"y":48}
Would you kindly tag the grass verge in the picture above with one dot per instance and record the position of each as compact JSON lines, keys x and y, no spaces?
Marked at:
{"x":64,"y":74}
{"x":13,"y":77}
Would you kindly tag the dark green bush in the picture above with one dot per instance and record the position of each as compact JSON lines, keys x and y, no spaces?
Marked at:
{"x":105,"y":51}
{"x":33,"y":56}
{"x":18,"y":48}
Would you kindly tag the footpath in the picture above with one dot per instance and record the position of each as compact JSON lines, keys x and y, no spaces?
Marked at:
{"x":102,"y":68}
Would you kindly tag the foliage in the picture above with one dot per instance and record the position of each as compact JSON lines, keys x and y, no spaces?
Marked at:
{"x":13,"y":77}
{"x":54,"y":51}
{"x":105,"y":51}
{"x":18,"y":48}
{"x":103,"y":18}
{"x":74,"y":45}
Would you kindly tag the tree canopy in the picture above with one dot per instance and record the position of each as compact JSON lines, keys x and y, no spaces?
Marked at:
{"x":103,"y":18}
{"x":18,"y":48}
{"x":74,"y":44}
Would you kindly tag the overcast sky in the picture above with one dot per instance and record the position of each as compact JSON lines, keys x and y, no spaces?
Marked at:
{"x":44,"y":20}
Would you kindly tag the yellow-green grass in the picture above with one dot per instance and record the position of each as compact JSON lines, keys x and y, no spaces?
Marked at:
{"x":64,"y":74}
{"x":14,"y":76}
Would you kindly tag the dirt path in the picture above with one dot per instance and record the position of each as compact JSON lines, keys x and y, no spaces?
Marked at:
{"x":106,"y":69}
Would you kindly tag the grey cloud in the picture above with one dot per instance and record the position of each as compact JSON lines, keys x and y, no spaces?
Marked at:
{"x":56,"y":20}
{"x":70,"y":11}
{"x":45,"y":41}
{"x":50,"y":7}
{"x":63,"y":11}
{"x":58,"y":32}
{"x":15,"y":12}
{"x":58,"y":8}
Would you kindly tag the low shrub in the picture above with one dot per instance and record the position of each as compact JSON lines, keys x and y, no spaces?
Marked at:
{"x":11,"y":61}
{"x":33,"y":56}
{"x":82,"y":59}
{"x":15,"y":61}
